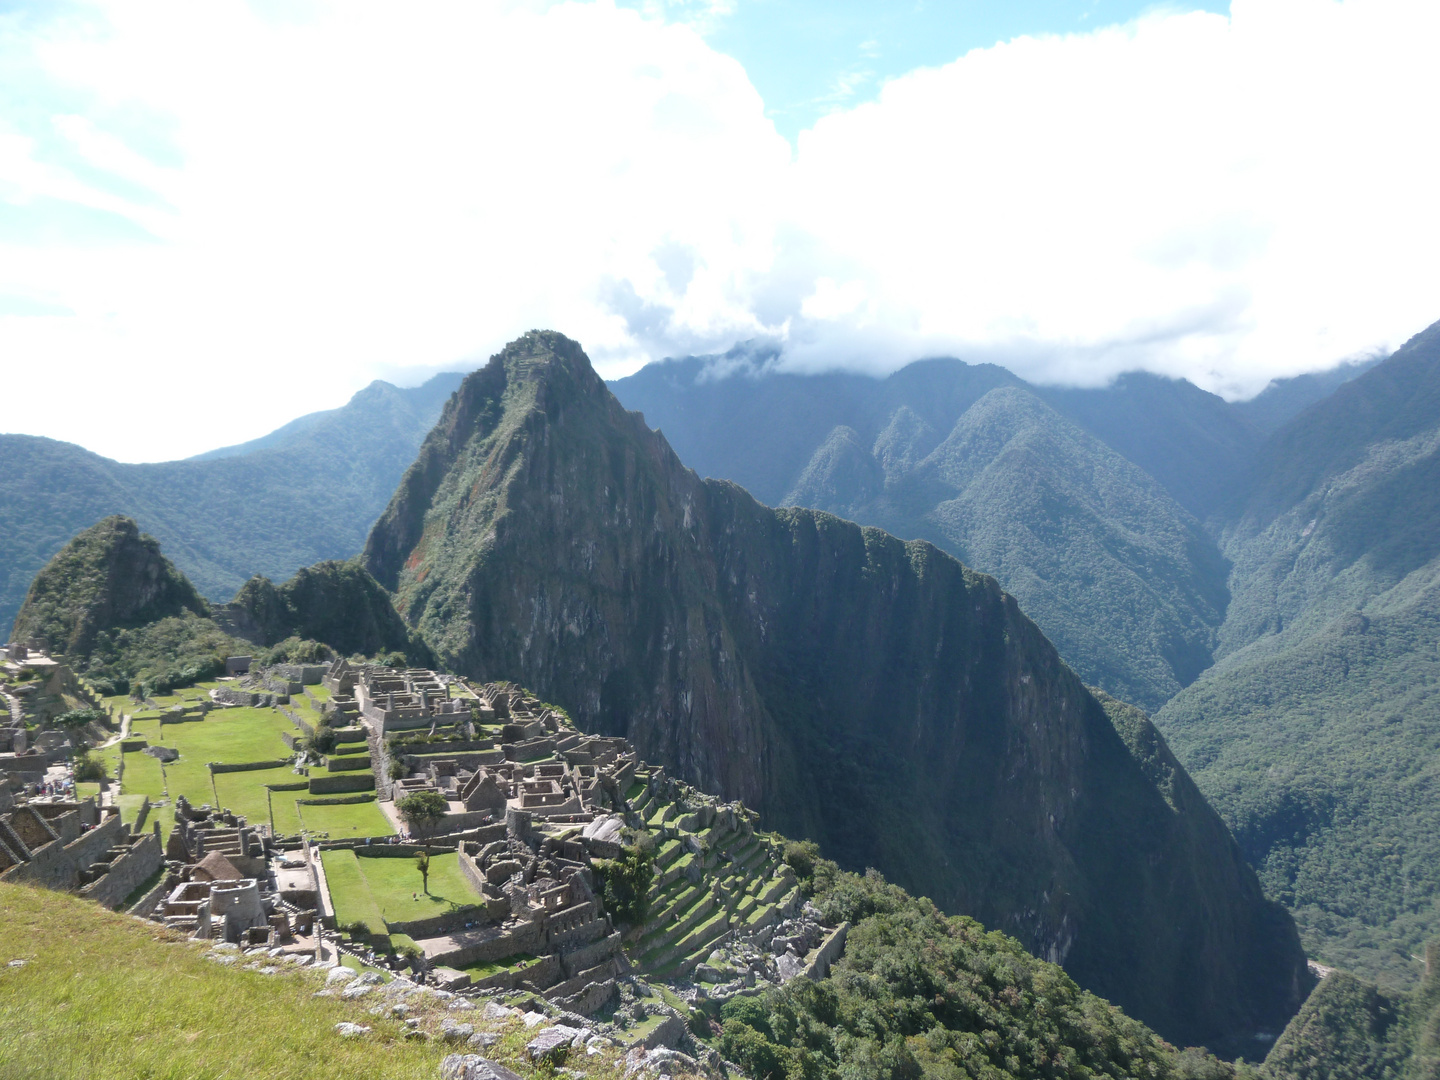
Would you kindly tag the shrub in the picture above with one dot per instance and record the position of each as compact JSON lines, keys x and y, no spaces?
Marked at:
{"x":322,"y":740}
{"x":422,"y":809}
{"x":801,"y":856}
{"x":295,"y":650}
{"x":627,"y":884}
{"x":89,"y":768}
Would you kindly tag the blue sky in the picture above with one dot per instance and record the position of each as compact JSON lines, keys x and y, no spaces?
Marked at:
{"x":201,"y":203}
{"x":809,"y":57}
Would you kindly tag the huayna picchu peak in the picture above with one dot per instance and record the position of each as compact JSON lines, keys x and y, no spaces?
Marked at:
{"x":871,"y":694}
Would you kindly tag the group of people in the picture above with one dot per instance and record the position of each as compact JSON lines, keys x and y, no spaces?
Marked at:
{"x":64,"y":787}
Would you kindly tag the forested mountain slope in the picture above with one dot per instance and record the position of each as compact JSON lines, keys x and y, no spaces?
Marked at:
{"x":871,"y":693}
{"x":123,"y":614}
{"x":307,"y":492}
{"x":1351,"y":1028}
{"x":1318,"y":733}
{"x":1122,"y":578}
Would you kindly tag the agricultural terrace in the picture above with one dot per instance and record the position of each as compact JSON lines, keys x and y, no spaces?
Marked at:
{"x":235,"y":736}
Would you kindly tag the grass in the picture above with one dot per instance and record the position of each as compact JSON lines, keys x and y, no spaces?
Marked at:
{"x":108,"y":997}
{"x":339,"y":820}
{"x":373,"y":888}
{"x":237,"y":736}
{"x":350,"y":892}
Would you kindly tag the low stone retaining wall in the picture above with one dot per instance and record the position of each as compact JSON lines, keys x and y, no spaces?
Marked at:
{"x":339,"y":785}
{"x":347,"y":762}
{"x":451,"y":922}
{"x":339,"y":801}
{"x":831,"y":949}
{"x":250,"y":766}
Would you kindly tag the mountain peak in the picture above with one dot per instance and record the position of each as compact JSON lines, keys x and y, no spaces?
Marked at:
{"x":861,"y":690}
{"x":111,"y":575}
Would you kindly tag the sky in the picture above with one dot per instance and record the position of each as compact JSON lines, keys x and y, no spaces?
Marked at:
{"x":216,"y":217}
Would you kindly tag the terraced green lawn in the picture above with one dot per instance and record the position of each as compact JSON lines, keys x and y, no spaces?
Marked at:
{"x":237,"y":736}
{"x":338,"y":820}
{"x":349,"y":891}
{"x":373,"y":888}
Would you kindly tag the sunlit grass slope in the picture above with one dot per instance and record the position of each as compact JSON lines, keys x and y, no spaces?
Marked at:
{"x":108,"y":997}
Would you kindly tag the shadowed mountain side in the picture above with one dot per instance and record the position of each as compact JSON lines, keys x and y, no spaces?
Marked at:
{"x":307,"y":492}
{"x":337,"y":603}
{"x":1345,"y":502}
{"x":1194,"y":443}
{"x":1284,"y":399}
{"x":869,"y":692}
{"x":1062,"y":511}
{"x":1124,"y":581}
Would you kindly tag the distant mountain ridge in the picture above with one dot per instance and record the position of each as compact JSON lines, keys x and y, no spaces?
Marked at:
{"x":873,"y":694}
{"x":1317,"y":733}
{"x":305,"y":493}
{"x":1083,"y":503}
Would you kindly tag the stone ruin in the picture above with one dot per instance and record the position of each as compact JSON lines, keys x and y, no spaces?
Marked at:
{"x":228,"y":883}
{"x":76,"y":847}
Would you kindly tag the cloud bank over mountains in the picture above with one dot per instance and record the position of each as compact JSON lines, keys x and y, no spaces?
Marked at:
{"x":251,"y":205}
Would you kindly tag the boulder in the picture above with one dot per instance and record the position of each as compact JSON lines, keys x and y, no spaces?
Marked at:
{"x":347,"y":1030}
{"x":473,"y":1067}
{"x":553,"y":1043}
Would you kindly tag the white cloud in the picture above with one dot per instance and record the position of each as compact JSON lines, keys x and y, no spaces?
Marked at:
{"x":349,"y":191}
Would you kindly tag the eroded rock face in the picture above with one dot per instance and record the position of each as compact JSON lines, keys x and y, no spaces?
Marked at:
{"x":870,"y":693}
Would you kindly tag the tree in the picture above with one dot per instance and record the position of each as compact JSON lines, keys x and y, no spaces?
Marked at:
{"x":422,"y":863}
{"x":627,"y":884}
{"x":422,"y":810}
{"x":88,"y":767}
{"x":76,"y":719}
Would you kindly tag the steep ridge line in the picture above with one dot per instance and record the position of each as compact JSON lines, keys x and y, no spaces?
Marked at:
{"x":871,"y":693}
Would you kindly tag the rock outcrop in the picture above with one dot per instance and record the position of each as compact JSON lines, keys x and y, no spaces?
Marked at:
{"x":870,"y":693}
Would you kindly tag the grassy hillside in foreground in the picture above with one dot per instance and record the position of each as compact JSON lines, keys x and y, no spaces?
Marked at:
{"x":109,"y":997}
{"x":302,"y":494}
{"x":105,"y":996}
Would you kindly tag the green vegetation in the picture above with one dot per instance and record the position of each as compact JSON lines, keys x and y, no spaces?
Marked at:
{"x":1351,"y":1028}
{"x":422,"y":809}
{"x":160,"y":657}
{"x":307,"y":492}
{"x":378,"y":889}
{"x":920,"y":994}
{"x":627,"y":884}
{"x":108,"y":576}
{"x":1317,"y":736}
{"x":150,"y":1005}
{"x":329,"y":606}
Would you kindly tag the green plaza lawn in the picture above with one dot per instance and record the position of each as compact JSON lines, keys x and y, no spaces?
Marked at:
{"x":239,"y":736}
{"x":371,"y":889}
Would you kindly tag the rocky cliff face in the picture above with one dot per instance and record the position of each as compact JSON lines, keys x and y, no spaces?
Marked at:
{"x":108,"y":576}
{"x":873,"y":694}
